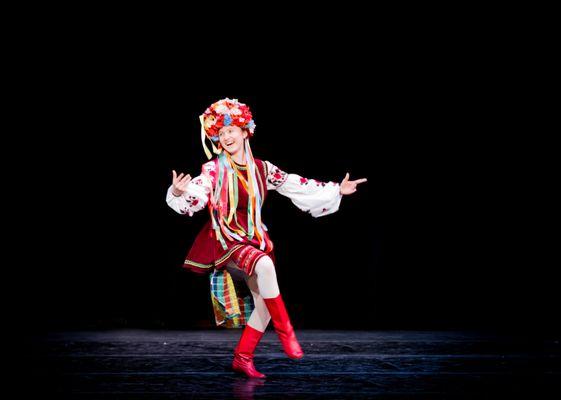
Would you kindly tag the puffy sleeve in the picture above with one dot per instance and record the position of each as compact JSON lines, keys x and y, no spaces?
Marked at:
{"x":310,"y":195}
{"x":198,"y":191}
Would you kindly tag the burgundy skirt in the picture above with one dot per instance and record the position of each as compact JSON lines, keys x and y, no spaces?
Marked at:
{"x":206,"y":253}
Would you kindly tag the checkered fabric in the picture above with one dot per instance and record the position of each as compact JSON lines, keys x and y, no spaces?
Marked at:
{"x":230,"y":309}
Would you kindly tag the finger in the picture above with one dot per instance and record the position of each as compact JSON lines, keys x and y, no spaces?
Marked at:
{"x":174,"y":174}
{"x":360,"y":180}
{"x":180,"y":176}
{"x":185,"y":179}
{"x":346,"y":178}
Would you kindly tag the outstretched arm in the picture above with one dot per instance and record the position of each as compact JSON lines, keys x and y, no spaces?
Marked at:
{"x":310,"y":195}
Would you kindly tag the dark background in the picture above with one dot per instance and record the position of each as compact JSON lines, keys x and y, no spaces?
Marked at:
{"x":450,"y":232}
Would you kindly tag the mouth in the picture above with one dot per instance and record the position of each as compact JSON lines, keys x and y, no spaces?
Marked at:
{"x":229,"y":143}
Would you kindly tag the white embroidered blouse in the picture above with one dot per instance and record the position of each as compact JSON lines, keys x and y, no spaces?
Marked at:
{"x":309,"y":195}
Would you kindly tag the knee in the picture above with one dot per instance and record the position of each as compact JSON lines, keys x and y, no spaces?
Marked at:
{"x":265,"y":266}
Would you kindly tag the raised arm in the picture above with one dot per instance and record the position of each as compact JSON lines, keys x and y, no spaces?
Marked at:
{"x":186,"y":195}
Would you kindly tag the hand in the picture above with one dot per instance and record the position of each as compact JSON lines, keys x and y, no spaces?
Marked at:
{"x":180,"y":183}
{"x":348,"y":187}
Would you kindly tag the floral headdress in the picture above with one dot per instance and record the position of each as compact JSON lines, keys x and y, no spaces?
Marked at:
{"x":225,"y":112}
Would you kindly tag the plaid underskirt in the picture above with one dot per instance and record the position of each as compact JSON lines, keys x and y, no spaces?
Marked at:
{"x":232,"y":301}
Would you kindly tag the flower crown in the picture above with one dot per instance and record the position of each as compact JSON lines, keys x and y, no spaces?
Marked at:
{"x":226,"y":112}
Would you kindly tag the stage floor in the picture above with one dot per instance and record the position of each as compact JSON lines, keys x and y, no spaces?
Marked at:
{"x":138,"y":364}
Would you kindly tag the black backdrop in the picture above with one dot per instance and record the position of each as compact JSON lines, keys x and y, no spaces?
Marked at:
{"x":446,"y":233}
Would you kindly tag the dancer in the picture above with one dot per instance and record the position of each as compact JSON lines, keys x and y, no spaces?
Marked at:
{"x":234,"y":242}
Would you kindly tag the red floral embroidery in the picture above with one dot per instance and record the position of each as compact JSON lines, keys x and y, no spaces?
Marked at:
{"x":209,"y":170}
{"x":303,"y":181}
{"x":276,"y":177}
{"x":191,"y":201}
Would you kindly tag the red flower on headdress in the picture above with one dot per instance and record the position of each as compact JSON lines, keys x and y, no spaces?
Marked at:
{"x":227,"y":112}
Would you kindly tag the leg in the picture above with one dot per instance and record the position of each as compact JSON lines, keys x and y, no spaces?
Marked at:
{"x":266,"y":278}
{"x":269,"y":289}
{"x":260,"y":316}
{"x":243,"y":353}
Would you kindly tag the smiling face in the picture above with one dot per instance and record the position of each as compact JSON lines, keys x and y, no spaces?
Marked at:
{"x":232,"y":138}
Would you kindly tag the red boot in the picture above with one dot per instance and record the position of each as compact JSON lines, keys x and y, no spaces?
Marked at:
{"x":243,"y":353}
{"x":283,"y":327}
